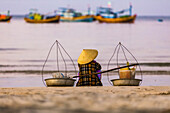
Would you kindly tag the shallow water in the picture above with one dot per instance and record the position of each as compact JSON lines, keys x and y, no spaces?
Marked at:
{"x":21,"y":80}
{"x":24,"y":47}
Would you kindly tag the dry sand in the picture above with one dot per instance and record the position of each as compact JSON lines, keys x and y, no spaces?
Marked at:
{"x":153,"y":99}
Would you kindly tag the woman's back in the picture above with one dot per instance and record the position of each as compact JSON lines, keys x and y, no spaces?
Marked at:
{"x":90,"y":80}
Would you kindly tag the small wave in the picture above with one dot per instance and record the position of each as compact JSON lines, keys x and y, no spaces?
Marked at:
{"x":21,"y":66}
{"x":48,"y":60}
{"x":35,"y":71}
{"x":62,"y":71}
{"x":160,"y":64}
{"x":11,"y":49}
{"x":155,"y":64}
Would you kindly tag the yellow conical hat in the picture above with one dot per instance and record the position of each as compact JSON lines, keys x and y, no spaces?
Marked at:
{"x":87,"y":55}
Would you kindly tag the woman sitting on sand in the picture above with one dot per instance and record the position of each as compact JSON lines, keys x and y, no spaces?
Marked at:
{"x":87,"y":65}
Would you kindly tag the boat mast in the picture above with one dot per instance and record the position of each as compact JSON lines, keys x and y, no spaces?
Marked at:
{"x":89,"y":9}
{"x":109,"y":4}
{"x":130,"y":10}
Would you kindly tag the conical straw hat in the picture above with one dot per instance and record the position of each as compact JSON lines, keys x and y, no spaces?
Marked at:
{"x":87,"y":55}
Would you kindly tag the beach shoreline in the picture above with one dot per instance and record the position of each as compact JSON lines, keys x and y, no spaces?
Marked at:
{"x":107,"y":99}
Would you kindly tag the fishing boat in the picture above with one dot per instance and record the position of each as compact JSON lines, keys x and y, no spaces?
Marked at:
{"x":86,"y":18}
{"x":34,"y":17}
{"x":125,"y":19}
{"x":5,"y":17}
{"x":160,"y":20}
{"x":70,"y":15}
{"x":106,"y":15}
{"x":54,"y":19}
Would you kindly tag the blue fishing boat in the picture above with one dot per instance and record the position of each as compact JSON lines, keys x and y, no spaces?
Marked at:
{"x":160,"y":20}
{"x":106,"y":14}
{"x":70,"y":15}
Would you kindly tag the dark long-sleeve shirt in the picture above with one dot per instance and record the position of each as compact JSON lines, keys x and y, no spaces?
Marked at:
{"x":91,"y":80}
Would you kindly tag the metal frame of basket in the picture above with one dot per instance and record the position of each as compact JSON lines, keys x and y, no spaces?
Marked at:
{"x":116,"y":51}
{"x":59,"y":47}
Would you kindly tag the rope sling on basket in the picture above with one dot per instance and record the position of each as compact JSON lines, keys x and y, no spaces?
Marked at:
{"x":59,"y":77}
{"x":127,"y":75}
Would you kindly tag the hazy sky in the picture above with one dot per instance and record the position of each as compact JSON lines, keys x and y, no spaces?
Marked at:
{"x":140,"y":7}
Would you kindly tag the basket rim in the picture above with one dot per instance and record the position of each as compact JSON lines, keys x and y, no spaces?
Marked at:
{"x":126,"y":79}
{"x":60,"y":78}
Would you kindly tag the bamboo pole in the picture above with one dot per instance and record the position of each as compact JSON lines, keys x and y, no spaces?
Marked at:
{"x":106,"y":70}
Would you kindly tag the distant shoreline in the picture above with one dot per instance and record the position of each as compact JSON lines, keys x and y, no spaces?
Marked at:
{"x":22,"y":16}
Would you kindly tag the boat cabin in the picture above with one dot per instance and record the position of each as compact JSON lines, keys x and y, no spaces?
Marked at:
{"x":68,"y":12}
{"x":105,"y":12}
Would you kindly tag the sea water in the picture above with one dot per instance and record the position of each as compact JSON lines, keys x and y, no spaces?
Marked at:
{"x":24,"y":48}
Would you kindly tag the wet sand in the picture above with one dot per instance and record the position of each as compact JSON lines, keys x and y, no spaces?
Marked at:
{"x":107,"y":99}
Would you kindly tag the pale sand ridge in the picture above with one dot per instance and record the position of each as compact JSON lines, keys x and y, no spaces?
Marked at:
{"x":143,"y":99}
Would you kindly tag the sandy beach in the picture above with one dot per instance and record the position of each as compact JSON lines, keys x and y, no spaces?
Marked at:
{"x":142,"y":99}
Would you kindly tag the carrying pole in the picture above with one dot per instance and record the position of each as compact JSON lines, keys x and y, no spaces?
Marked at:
{"x":107,"y":70}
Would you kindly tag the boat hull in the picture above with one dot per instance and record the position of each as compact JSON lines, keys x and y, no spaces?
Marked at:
{"x":129,"y":19}
{"x":86,"y":18}
{"x":55,"y":19}
{"x":7,"y":19}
